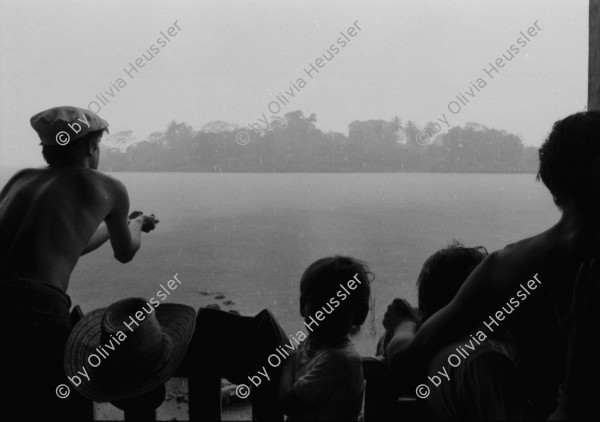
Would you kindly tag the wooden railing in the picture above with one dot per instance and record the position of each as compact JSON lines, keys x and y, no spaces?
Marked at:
{"x":204,"y":399}
{"x":382,"y":398}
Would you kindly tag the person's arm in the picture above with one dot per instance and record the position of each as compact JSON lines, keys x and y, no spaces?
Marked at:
{"x":101,"y":234}
{"x":403,"y":334}
{"x":475,"y":300}
{"x":125,"y":235}
{"x":400,"y":321}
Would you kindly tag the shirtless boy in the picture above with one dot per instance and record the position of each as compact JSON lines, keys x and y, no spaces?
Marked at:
{"x":570,"y":168}
{"x":49,"y":217}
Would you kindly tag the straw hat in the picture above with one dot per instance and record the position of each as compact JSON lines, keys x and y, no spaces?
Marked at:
{"x":127,"y":349}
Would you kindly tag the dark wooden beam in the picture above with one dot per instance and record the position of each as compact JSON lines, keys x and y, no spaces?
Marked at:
{"x":594,"y":56}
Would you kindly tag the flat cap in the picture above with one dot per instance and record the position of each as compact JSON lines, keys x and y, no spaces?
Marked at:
{"x":60,"y":125}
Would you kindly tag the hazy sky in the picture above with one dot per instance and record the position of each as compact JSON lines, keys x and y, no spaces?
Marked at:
{"x":230,"y":59}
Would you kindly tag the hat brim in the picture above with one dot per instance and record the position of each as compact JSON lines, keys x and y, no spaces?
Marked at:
{"x":177,"y":322}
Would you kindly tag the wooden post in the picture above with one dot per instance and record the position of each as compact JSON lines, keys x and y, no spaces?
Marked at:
{"x":594,"y":56}
{"x":142,"y":408}
{"x":204,"y":393}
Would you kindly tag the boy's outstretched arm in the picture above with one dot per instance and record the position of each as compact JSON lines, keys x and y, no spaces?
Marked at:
{"x":101,"y":234}
{"x":409,"y":356}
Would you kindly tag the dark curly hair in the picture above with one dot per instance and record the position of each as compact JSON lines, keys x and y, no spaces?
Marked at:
{"x":570,"y":159}
{"x":322,"y":279}
{"x":71,"y":153}
{"x":443,"y":274}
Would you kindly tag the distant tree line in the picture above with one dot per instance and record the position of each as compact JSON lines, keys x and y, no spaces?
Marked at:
{"x":293,"y":143}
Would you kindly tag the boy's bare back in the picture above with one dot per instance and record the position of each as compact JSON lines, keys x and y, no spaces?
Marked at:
{"x":47,"y":216}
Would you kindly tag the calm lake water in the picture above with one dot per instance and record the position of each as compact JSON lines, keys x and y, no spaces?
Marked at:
{"x":250,"y":236}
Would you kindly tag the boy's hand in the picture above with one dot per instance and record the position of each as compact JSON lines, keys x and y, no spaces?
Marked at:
{"x":149,"y":222}
{"x":135,"y":214}
{"x":398,"y":312}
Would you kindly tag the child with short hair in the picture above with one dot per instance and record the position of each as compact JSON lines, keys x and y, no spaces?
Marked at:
{"x":323,"y":380}
{"x":441,"y":276}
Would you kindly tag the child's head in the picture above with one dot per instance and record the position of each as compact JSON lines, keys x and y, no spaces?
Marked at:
{"x":443,"y":274}
{"x":339,"y":288}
